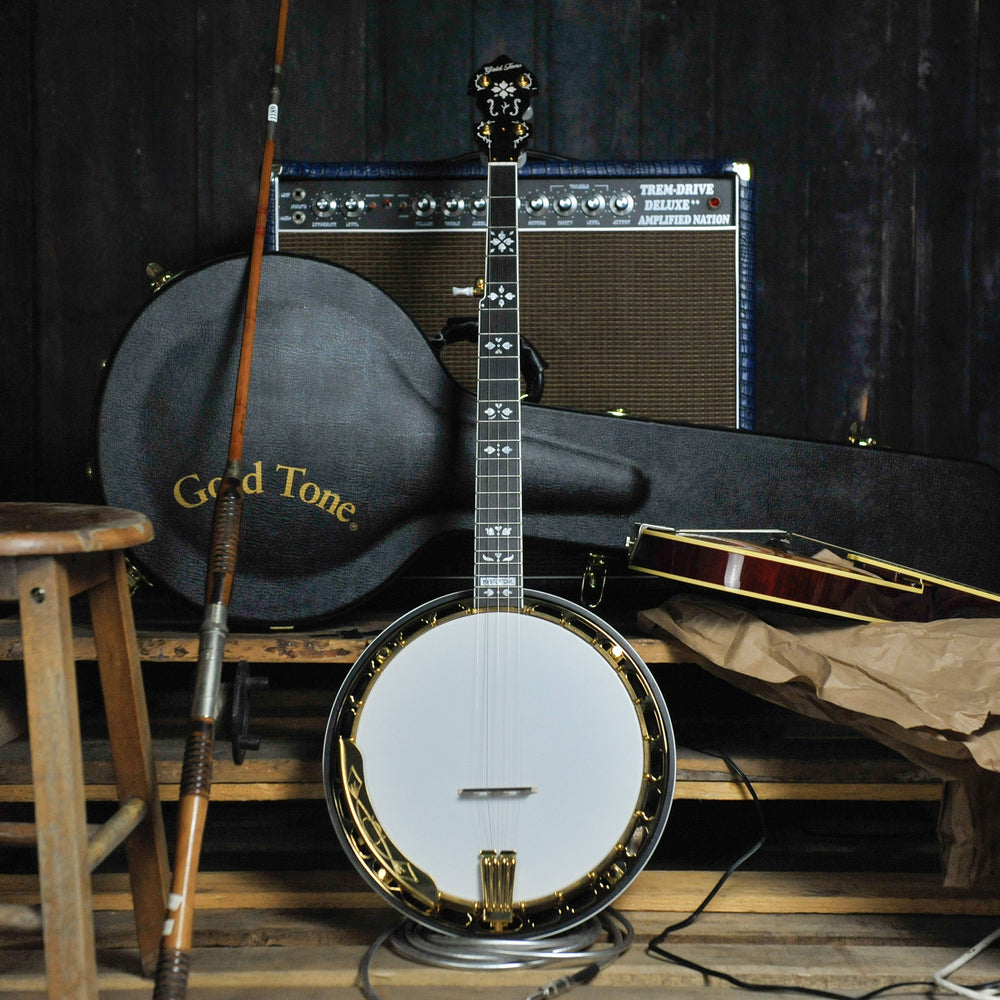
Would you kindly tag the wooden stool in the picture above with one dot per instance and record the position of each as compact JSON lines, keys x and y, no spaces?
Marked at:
{"x":48,"y":553}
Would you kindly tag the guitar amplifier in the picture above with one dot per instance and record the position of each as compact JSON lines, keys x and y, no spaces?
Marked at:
{"x":636,"y":278}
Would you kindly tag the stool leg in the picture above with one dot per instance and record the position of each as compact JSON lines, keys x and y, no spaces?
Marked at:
{"x":132,"y":754}
{"x":57,"y":772}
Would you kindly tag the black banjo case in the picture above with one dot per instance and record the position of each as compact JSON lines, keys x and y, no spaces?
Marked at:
{"x":359,"y":454}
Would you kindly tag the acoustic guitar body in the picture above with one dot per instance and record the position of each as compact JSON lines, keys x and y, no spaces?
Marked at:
{"x":783,"y":568}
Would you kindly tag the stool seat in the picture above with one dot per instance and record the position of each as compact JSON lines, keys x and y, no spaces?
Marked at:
{"x":34,"y":529}
{"x":50,"y":552}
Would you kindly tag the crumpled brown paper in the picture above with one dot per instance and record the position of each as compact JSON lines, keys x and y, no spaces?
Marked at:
{"x":931,"y":691}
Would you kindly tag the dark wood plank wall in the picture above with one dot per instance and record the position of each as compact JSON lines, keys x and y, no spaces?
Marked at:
{"x":18,"y":410}
{"x":134,"y":132}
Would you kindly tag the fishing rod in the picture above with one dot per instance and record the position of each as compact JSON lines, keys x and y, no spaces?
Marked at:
{"x":196,"y":774}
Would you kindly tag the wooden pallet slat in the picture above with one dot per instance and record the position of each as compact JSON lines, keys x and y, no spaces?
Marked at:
{"x":291,"y":768}
{"x":287,"y":647}
{"x":653,"y":891}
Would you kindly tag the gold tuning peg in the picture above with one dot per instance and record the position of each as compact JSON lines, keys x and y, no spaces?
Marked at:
{"x":472,"y":291}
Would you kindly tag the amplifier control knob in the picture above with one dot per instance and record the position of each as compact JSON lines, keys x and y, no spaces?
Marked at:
{"x":565,"y":204}
{"x":593,"y":204}
{"x":423,"y":206}
{"x":354,"y":206}
{"x":479,"y":205}
{"x":622,"y":203}
{"x":324,"y":206}
{"x":537,"y":204}
{"x":453,"y":205}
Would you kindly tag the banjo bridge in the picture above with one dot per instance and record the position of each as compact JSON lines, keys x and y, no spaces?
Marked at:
{"x":497,"y":792}
{"x":497,"y":871}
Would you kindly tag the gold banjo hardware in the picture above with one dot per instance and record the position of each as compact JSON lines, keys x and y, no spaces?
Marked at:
{"x":497,"y":873}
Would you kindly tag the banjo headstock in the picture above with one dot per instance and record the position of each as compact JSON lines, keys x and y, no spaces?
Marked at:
{"x":503,"y":89}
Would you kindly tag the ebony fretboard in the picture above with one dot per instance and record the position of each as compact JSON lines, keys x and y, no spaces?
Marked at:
{"x":499,"y":569}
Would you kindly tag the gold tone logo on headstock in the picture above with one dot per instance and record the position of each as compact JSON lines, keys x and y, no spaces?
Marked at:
{"x":503,"y":90}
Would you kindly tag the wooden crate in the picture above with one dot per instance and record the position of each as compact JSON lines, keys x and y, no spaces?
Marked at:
{"x":269,"y":923}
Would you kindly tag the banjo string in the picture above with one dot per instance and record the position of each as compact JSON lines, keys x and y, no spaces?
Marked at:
{"x":498,"y":649}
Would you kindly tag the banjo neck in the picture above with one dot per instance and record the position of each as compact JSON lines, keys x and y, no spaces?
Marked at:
{"x":499,"y":570}
{"x":503,"y":91}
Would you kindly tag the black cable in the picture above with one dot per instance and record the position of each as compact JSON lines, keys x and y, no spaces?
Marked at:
{"x":655,"y":949}
{"x":738,"y":863}
{"x":778,"y":988}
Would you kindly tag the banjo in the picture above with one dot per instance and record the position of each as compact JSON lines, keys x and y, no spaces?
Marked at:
{"x":499,"y":761}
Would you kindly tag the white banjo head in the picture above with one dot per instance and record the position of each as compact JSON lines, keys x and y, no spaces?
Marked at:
{"x":536,"y":737}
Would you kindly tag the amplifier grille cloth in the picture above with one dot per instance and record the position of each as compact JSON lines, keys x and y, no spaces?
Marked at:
{"x":643,"y":321}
